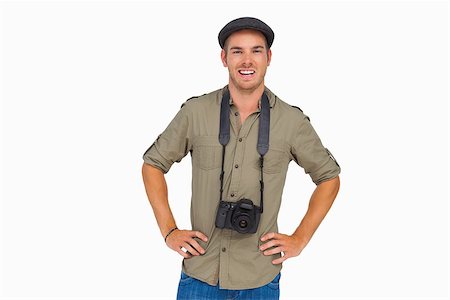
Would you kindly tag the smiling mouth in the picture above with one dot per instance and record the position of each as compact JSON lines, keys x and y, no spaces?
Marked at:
{"x":246,"y":72}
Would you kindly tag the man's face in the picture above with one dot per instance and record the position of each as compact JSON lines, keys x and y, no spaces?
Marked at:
{"x":246,"y":56}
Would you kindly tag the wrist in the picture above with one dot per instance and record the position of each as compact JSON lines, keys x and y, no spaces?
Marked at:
{"x":170,"y":232}
{"x":300,"y":240}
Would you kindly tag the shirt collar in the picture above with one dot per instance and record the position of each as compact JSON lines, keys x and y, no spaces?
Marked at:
{"x":270,"y":95}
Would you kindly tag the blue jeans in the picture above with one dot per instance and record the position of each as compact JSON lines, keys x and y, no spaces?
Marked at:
{"x":192,"y":289}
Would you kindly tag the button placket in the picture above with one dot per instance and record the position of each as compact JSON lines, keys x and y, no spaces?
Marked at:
{"x":235,"y":120}
{"x":224,"y":256}
{"x":236,"y":171}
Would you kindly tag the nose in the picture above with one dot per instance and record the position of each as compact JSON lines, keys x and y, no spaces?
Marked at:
{"x":247,"y":60}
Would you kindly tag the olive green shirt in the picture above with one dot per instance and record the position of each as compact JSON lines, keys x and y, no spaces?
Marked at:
{"x":233,"y":259}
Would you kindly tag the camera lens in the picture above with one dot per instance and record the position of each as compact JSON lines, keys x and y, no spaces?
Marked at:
{"x":243,"y":224}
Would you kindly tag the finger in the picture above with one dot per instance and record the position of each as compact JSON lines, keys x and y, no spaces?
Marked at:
{"x":273,"y":251}
{"x":197,"y":246}
{"x":270,"y":235}
{"x":201,"y":236}
{"x":267,"y":236}
{"x":268,"y":245}
{"x":190,"y":249}
{"x":184,"y":254}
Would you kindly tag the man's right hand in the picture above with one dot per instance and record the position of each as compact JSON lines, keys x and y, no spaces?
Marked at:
{"x":180,"y":239}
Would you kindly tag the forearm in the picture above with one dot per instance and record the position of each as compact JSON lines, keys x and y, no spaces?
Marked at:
{"x":156,"y":189}
{"x":319,"y":205}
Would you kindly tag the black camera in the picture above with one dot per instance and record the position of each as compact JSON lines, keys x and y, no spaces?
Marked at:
{"x":242,"y":216}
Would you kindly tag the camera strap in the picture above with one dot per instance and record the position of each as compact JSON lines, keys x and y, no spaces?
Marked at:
{"x":263,"y":137}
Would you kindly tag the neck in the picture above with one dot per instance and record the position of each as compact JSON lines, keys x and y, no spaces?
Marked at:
{"x":246,"y":100}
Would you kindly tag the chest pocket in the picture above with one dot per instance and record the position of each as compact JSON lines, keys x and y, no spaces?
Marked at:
{"x":207,"y":152}
{"x":275,"y":159}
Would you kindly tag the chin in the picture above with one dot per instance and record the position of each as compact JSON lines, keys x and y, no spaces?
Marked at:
{"x":250,"y":86}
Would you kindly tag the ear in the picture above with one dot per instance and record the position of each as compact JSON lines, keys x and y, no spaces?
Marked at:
{"x":223,"y":57}
{"x":269,"y":57}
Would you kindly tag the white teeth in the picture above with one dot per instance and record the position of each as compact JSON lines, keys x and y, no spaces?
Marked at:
{"x":246,"y":72}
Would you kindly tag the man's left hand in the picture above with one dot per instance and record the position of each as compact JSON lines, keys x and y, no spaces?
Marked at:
{"x":288,"y":245}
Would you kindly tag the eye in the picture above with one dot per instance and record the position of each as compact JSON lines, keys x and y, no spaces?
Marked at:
{"x":257,"y":51}
{"x":237,"y":51}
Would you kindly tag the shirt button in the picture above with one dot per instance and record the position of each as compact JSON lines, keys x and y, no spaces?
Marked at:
{"x":224,"y":249}
{"x":240,"y":139}
{"x":236,"y":114}
{"x":232,"y":195}
{"x":236,"y":166}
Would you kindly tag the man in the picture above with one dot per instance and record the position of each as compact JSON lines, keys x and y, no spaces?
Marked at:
{"x":241,"y":138}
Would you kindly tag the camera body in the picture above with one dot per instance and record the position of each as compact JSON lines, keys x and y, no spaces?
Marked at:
{"x":242,"y":216}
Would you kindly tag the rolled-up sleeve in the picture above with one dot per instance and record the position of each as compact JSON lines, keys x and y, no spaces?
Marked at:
{"x":309,"y":153}
{"x":173,"y":144}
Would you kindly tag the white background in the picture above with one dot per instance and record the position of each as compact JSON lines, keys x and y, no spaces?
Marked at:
{"x":87,"y":87}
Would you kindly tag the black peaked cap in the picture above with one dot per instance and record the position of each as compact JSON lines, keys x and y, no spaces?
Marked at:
{"x":246,"y":23}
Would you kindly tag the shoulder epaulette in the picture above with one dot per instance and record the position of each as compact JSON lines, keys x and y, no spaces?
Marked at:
{"x":297,"y":108}
{"x":190,"y":99}
{"x":301,"y":111}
